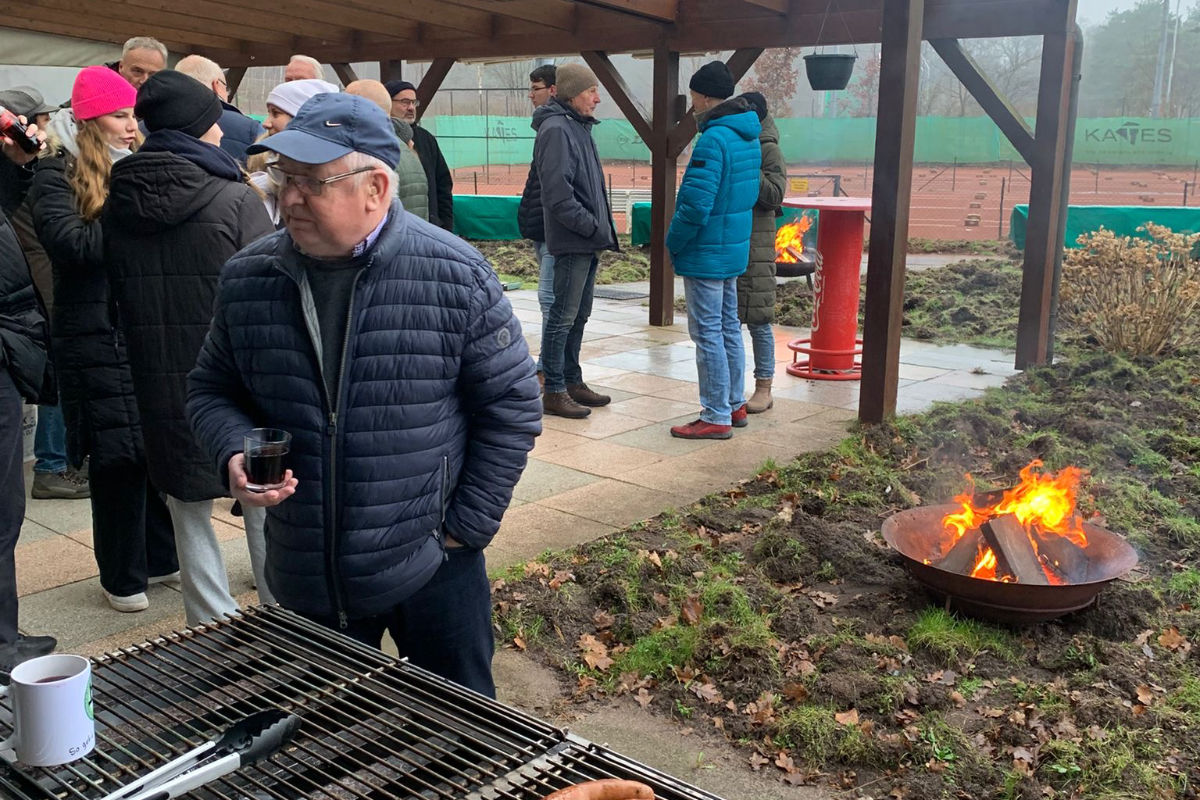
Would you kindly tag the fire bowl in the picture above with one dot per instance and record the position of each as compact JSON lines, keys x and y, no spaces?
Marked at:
{"x":917,"y":535}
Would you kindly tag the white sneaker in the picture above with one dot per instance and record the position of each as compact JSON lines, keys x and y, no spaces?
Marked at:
{"x":127,"y":604}
{"x":171,"y":579}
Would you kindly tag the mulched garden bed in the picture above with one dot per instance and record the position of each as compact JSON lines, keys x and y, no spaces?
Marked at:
{"x":774,"y":613}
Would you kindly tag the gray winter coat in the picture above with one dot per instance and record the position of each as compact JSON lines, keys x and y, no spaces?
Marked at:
{"x":574,"y":203}
{"x":414,"y":188}
{"x":756,"y":288}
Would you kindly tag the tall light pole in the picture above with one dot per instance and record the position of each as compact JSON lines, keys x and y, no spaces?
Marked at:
{"x":1171,"y":62}
{"x":1161,"y":67}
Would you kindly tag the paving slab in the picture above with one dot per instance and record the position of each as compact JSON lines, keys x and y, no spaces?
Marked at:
{"x":600,"y":457}
{"x":616,"y":503}
{"x":542,"y":479}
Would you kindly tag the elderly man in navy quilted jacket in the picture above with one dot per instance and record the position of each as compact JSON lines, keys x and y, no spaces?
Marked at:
{"x":385,"y":346}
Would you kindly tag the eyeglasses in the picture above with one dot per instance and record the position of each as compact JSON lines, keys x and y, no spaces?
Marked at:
{"x":305,"y":184}
{"x":407,"y":103}
{"x":535,"y":89}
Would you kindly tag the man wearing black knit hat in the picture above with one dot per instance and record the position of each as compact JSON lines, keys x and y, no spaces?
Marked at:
{"x":177,"y":210}
{"x":709,"y":243}
{"x":437,"y":172}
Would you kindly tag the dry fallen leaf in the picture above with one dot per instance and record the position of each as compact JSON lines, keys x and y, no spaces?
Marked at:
{"x":691,"y":610}
{"x":1144,"y":695}
{"x":785,"y":762}
{"x":660,"y":599}
{"x":796,"y":692}
{"x":847,"y":717}
{"x":708,"y":693}
{"x":1171,"y":639}
{"x":651,"y":556}
{"x":643,"y":697}
{"x":560,"y":577}
{"x":595,"y":654}
{"x":518,"y":642}
{"x":602,"y":619}
{"x":757,"y":762}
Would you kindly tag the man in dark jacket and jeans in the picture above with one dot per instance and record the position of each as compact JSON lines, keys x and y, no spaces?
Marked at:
{"x":23,"y":340}
{"x":385,"y":346}
{"x":542,"y":90}
{"x":578,"y":226}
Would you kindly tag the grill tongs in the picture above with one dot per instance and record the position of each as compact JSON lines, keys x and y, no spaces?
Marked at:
{"x":243,"y":743}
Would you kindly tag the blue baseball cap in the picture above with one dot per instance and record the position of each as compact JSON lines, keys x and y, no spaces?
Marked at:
{"x":329,"y":126}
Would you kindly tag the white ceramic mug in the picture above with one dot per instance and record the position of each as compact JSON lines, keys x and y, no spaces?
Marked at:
{"x":53,"y":720}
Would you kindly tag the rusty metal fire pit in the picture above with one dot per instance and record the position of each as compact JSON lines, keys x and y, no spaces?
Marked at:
{"x":917,"y":535}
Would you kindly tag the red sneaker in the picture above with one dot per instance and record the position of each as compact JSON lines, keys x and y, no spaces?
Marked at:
{"x":702,"y":430}
{"x":739,"y":417}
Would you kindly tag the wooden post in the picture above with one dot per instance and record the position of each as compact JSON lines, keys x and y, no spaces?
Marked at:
{"x":390,"y":70}
{"x":616,"y":86}
{"x":1043,"y":237}
{"x":345,"y":73}
{"x":663,"y":178}
{"x":439,"y":68}
{"x":233,"y":79}
{"x":900,"y":69}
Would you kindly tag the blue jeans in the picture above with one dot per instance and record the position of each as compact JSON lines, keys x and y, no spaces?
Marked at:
{"x":50,"y":441}
{"x":545,"y":289}
{"x":714,"y":327}
{"x":763,"y":341}
{"x":574,"y":280}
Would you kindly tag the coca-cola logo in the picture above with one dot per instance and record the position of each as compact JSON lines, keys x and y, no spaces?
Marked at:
{"x":1129,"y":133}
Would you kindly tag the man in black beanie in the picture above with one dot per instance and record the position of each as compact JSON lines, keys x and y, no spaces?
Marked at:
{"x":709,"y":243}
{"x":177,"y":210}
{"x":437,"y":172}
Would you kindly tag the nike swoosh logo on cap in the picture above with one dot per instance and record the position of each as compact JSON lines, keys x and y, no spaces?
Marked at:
{"x":331,"y":124}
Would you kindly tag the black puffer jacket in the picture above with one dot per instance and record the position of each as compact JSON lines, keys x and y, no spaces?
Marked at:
{"x":170,"y":227}
{"x":23,"y":335}
{"x":529,"y":211}
{"x":94,"y":382}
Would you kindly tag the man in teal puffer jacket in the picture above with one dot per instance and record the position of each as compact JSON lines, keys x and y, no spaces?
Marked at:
{"x":709,"y":242}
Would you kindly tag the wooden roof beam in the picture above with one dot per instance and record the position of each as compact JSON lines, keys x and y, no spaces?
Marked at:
{"x":47,"y":20}
{"x":619,"y":89}
{"x":659,"y":10}
{"x":998,"y":107}
{"x":556,"y":14}
{"x":778,"y":6}
{"x":432,"y":12}
{"x":355,"y":17}
{"x":207,"y":10}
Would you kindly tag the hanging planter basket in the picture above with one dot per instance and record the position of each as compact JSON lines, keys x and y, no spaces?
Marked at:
{"x":829,"y":71}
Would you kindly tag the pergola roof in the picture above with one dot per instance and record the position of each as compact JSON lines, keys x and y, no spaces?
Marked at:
{"x":264,"y":32}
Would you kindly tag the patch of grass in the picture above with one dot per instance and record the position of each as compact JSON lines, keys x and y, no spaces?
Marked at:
{"x":1185,"y":586}
{"x":950,"y":639}
{"x":819,"y":739}
{"x":1186,"y":697}
{"x":655,"y":653}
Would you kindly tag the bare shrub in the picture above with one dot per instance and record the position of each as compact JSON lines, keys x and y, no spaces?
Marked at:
{"x":1136,"y":296}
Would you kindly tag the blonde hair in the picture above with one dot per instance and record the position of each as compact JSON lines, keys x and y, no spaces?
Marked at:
{"x":90,"y":173}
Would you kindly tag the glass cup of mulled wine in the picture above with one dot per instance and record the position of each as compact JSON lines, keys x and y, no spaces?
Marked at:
{"x":266,"y":452}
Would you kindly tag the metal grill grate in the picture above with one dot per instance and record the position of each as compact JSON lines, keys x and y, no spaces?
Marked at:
{"x":374,"y":728}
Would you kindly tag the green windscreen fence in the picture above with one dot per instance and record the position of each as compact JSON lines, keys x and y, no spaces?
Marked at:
{"x":486,"y":216}
{"x":1121,"y":220}
{"x":477,"y":140}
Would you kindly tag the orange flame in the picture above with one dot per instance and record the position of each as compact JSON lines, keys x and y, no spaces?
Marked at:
{"x":1040,"y":501}
{"x":791,"y":235}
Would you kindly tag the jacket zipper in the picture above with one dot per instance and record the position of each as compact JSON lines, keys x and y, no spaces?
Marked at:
{"x":332,"y":514}
{"x":445,"y":498}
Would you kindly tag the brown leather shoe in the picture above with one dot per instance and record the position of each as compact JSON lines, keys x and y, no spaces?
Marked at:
{"x":581,"y":394}
{"x":560,"y":404}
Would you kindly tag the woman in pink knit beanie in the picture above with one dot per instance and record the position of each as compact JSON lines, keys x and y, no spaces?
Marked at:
{"x":70,"y":188}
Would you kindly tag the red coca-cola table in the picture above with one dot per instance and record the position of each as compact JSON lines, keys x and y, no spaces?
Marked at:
{"x":834,"y":347}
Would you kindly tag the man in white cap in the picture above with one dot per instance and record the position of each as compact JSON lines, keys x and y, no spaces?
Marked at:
{"x":386,"y":347}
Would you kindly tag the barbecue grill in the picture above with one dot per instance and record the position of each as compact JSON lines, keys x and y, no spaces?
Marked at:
{"x":374,"y":727}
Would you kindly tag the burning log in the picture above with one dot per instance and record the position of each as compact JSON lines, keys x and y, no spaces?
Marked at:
{"x":962,"y":556}
{"x":1064,"y":556}
{"x":1014,"y":549}
{"x":789,"y":254}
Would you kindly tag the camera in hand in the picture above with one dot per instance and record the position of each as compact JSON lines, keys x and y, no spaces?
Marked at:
{"x":12,"y":127}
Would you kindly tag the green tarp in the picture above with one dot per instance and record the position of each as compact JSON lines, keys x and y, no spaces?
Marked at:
{"x":478,"y":216}
{"x":1122,"y":220}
